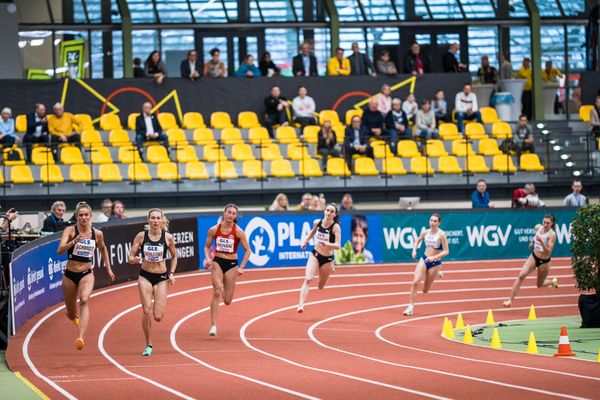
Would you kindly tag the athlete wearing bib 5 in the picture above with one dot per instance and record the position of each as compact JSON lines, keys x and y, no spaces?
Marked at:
{"x":80,"y":242}
{"x":223,"y":264}
{"x":436,"y":248}
{"x":328,"y":235}
{"x":543,"y":244}
{"x":154,"y":273}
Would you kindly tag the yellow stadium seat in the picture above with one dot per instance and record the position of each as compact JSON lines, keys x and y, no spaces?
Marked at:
{"x":310,"y":134}
{"x":110,"y":173}
{"x":259,"y":135}
{"x":297,"y":151}
{"x":204,"y":136}
{"x":337,"y":167}
{"x":310,"y":167}
{"x":286,"y":135}
{"x":138,"y":172}
{"x":71,"y":155}
{"x":248,"y":120}
{"x":585,"y":112}
{"x":475,"y":131}
{"x":231,"y":136}
{"x":21,"y":174}
{"x":461,"y":148}
{"x":449,"y":132}
{"x":177,"y":137}
{"x":131,"y":118}
{"x":157,"y":155}
{"x":282,"y":169}
{"x":408,"y":149}
{"x":214,"y":153}
{"x":220,"y":120}
{"x":193,"y":120}
{"x":80,"y":173}
{"x":503,"y":163}
{"x":489,"y":115}
{"x":530,"y":162}
{"x":130,"y":154}
{"x":501,"y":130}
{"x":449,"y":165}
{"x":167,"y":171}
{"x":365,"y":166}
{"x":21,"y":123}
{"x":91,"y":138}
{"x":253,"y":169}
{"x":41,"y":156}
{"x":242,"y":152}
{"x":186,"y":154}
{"x":331,"y":116}
{"x":476,"y":164}
{"x":270,"y":152}
{"x":1,"y":177}
{"x":351,"y":113}
{"x":435,"y":148}
{"x":14,"y":148}
{"x":196,"y":170}
{"x":381,"y":149}
{"x":108,"y":122}
{"x":340,"y":133}
{"x":83,"y":122}
{"x":119,"y":137}
{"x":167,"y":121}
{"x":101,"y":155}
{"x":51,"y":174}
{"x":421,"y":166}
{"x":393,"y":166}
{"x":489,"y":147}
{"x":225,"y":170}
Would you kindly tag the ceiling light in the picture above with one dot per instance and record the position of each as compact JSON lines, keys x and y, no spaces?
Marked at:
{"x":36,"y":42}
{"x":545,"y":132}
{"x":569,"y":164}
{"x":556,"y":148}
{"x":565,"y":156}
{"x":576,"y":173}
{"x":540,"y":125}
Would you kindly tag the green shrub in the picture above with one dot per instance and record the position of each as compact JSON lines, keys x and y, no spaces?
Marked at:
{"x":585,"y":247}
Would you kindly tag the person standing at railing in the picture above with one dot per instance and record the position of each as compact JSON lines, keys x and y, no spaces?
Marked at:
{"x":575,"y":199}
{"x":525,"y":73}
{"x":481,"y":197}
{"x":338,"y":65}
{"x":550,"y":75}
{"x":304,"y":63}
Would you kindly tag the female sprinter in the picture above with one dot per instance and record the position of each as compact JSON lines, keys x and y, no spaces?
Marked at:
{"x":436,"y":248}
{"x":79,"y":242}
{"x":223,"y":265}
{"x":543,"y":244}
{"x":154,"y":274}
{"x":328,"y":235}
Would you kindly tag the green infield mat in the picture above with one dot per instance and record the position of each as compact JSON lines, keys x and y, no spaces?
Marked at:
{"x":12,"y":387}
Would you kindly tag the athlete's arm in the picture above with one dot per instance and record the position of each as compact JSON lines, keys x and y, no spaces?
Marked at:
{"x":338,"y":238}
{"x":551,"y":240}
{"x":66,"y":242}
{"x":104,"y":252}
{"x":210,"y":235}
{"x":173,"y":251}
{"x":310,"y":235}
{"x":244,"y":242}
{"x":417,"y":243}
{"x":445,"y":248}
{"x":134,"y":259}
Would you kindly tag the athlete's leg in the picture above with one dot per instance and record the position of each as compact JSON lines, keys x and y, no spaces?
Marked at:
{"x":160,"y":300}
{"x":324,"y":272}
{"x":542,"y":275}
{"x":229,"y":280}
{"x":527,"y":269}
{"x":420,"y":275}
{"x":86,"y":286}
{"x":430,"y":276}
{"x":217,"y":283}
{"x":70,"y":295}
{"x":146,"y":291}
{"x":312,"y":266}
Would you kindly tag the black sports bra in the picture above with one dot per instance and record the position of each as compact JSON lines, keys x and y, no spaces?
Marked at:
{"x":325,"y":234}
{"x":83,"y":250}
{"x":154,"y":251}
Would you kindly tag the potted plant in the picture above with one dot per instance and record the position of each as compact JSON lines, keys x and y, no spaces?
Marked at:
{"x":585,"y":259}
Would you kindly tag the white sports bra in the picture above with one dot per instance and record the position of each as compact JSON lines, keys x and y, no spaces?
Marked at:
{"x":433,"y":240}
{"x":544,"y":236}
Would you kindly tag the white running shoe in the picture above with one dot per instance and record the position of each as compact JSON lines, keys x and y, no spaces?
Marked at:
{"x":213,"y":331}
{"x":409,"y":310}
{"x":440,"y":274}
{"x":300,"y":309}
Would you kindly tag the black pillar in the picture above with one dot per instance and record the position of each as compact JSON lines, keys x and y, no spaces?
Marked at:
{"x":107,"y":43}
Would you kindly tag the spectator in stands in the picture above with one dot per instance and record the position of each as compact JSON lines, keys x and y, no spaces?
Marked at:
{"x":413,"y":62}
{"x":356,"y":140}
{"x":304,"y":64}
{"x":385,"y":65}
{"x":148,"y":129}
{"x":267,"y":67}
{"x":396,"y":124}
{"x":155,"y":68}
{"x":106,"y":211}
{"x":37,"y":129}
{"x":425,"y":121}
{"x":280,"y":203}
{"x":550,"y":75}
{"x":595,"y":124}
{"x":506,"y":69}
{"x":480,"y":197}
{"x":449,"y":61}
{"x":54,"y":222}
{"x":575,"y":199}
{"x":215,"y":68}
{"x":304,"y":108}
{"x":7,"y":128}
{"x":522,"y":141}
{"x":338,"y":65}
{"x":138,"y":71}
{"x":247,"y":69}
{"x":191,"y":68}
{"x":360,"y":63}
{"x":487,"y":74}
{"x":466,"y":107}
{"x":410,"y":107}
{"x":11,"y":215}
{"x":327,"y":144}
{"x":527,"y":197}
{"x":318,"y":202}
{"x":347,"y":203}
{"x":276,"y":109}
{"x":61,"y":125}
{"x":525,"y":73}
{"x":384,"y":100}
{"x":305,"y":202}
{"x":440,"y":107}
{"x":373,"y":121}
{"x":118,"y":211}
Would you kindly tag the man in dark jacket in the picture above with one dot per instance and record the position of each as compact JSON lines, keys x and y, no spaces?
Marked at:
{"x":54,"y":222}
{"x":373,"y":121}
{"x":304,"y":64}
{"x":356,"y":140}
{"x":37,"y":129}
{"x":190,"y":67}
{"x":414,"y":62}
{"x":147,"y":128}
{"x":276,"y":107}
{"x":360,"y":64}
{"x":449,"y":61}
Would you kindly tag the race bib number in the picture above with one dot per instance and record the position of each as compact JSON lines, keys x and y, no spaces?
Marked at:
{"x":153,"y":253}
{"x":224,"y":245}
{"x":84,"y":248}
{"x":322,"y":237}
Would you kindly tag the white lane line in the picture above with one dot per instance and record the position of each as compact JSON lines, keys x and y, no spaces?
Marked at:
{"x":95,"y":380}
{"x":276,"y":339}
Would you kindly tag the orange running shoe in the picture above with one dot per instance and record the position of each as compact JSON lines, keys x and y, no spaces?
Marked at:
{"x":79,"y":343}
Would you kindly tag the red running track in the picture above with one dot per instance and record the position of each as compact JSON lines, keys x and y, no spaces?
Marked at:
{"x":351,"y":342}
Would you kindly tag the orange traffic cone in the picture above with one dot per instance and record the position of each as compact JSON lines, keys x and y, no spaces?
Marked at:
{"x":564,"y":347}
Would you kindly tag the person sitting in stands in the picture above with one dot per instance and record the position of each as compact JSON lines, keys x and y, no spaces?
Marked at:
{"x":54,"y":222}
{"x":522,"y":140}
{"x":155,"y":68}
{"x":190,"y":68}
{"x":267,"y":66}
{"x":347,"y":203}
{"x":61,"y":124}
{"x":280,"y":203}
{"x":373,"y":121}
{"x":327,"y":144}
{"x":385,"y":65}
{"x":466,"y":107}
{"x":440,"y":107}
{"x":304,"y":108}
{"x":384,"y":100}
{"x":305,"y":202}
{"x":37,"y":129}
{"x":118,"y":211}
{"x":148,"y":129}
{"x":7,"y":128}
{"x":276,"y":107}
{"x":396,"y":124}
{"x":356,"y":140}
{"x":215,"y":68}
{"x":487,"y":74}
{"x":410,"y":107}
{"x":425,"y":121}
{"x":105,"y":211}
{"x":247,"y":69}
{"x":338,"y":65}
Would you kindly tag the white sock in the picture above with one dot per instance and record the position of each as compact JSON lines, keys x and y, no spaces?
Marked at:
{"x":304,"y":293}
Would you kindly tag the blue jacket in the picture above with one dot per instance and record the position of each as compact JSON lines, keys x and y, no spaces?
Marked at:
{"x":479,"y":201}
{"x":244,"y":68}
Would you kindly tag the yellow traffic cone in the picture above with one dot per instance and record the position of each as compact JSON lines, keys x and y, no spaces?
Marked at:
{"x":490,"y":318}
{"x":459,"y":322}
{"x":445,"y":326}
{"x":468,"y":338}
{"x":532,"y":344}
{"x":496,"y":344}
{"x":448,"y":330}
{"x":532,"y":316}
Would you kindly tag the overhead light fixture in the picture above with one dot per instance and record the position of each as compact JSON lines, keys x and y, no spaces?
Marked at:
{"x":57,"y":41}
{"x":569,"y":164}
{"x":540,"y":125}
{"x":36,"y":42}
{"x":22,"y":44}
{"x":565,"y":156}
{"x":557,"y":148}
{"x":545,"y":132}
{"x":553,"y":141}
{"x":576,"y":173}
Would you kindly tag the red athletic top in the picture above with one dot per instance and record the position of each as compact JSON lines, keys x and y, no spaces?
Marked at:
{"x":226,"y":243}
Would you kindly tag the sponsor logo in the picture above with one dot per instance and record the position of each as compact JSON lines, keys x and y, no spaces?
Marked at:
{"x":33,"y":276}
{"x":261,"y":238}
{"x":55,"y":267}
{"x":490,"y":235}
{"x":400,"y":237}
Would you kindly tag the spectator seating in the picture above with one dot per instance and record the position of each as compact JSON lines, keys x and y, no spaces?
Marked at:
{"x":584,"y":112}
